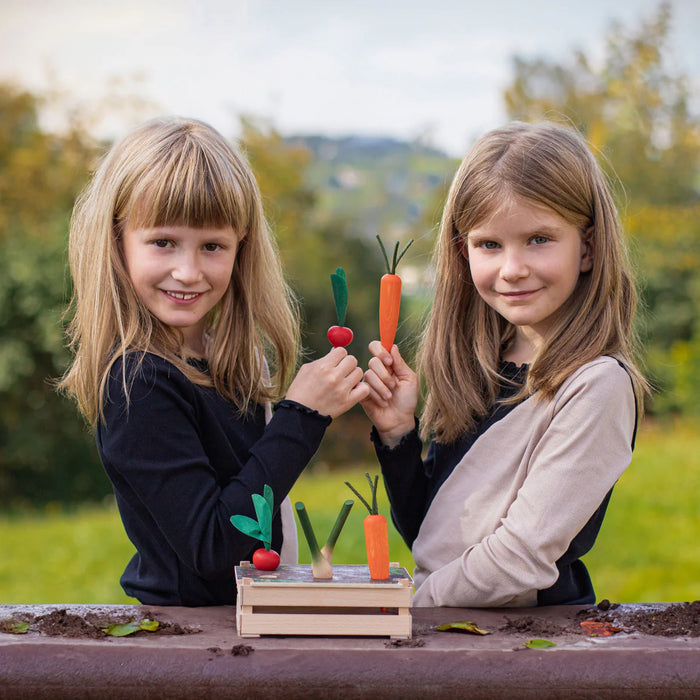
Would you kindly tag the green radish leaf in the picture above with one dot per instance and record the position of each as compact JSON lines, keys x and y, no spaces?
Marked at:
{"x":269,"y":496}
{"x":539,"y":644}
{"x":464,"y":627}
{"x":247,"y":526}
{"x":264,"y":513}
{"x":340,"y":294}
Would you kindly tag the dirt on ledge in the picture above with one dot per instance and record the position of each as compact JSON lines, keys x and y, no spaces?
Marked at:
{"x":61,"y":623}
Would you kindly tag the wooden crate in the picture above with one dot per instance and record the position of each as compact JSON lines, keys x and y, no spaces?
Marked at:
{"x":289,"y":601}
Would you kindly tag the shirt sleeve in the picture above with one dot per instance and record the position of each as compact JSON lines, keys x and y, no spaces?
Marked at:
{"x":153,"y":452}
{"x":406,"y":481}
{"x":577,"y":460}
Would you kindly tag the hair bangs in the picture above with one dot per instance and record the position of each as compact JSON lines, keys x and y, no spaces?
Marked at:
{"x":192,"y":184}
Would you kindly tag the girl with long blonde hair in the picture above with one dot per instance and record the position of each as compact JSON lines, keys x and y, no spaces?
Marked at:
{"x":532,"y":388}
{"x":179,"y":301}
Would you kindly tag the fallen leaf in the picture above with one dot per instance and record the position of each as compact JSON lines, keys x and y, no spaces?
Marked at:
{"x":539,"y":644}
{"x":599,"y":629}
{"x":13,"y":627}
{"x":149,"y":625}
{"x":464,"y":627}
{"x":126,"y":628}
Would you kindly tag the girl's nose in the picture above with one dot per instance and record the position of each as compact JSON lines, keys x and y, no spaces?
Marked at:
{"x":187,"y":269}
{"x":513,"y":266}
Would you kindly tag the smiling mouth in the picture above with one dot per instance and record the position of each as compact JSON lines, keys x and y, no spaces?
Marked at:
{"x":519,"y":294}
{"x":183,"y":296}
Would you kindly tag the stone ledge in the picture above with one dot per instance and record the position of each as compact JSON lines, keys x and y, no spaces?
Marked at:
{"x":202,"y":665}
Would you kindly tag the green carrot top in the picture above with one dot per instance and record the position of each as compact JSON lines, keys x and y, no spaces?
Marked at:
{"x":391,"y":269}
{"x":373,"y":510}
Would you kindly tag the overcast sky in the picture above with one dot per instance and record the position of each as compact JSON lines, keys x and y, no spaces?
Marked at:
{"x":403,"y":68}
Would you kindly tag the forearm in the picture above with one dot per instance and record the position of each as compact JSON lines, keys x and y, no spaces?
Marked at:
{"x":405,"y":481}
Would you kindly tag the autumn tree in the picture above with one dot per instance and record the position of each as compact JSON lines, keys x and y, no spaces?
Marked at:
{"x":635,"y":110}
{"x":46,"y":452}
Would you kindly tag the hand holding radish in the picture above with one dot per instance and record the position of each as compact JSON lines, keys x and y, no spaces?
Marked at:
{"x":330,"y":385}
{"x":393,"y":395}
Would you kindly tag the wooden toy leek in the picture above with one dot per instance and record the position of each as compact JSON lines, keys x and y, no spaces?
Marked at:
{"x":321,"y":558}
{"x":390,"y":296}
{"x":339,"y":336}
{"x":376,"y":533}
{"x":265,"y":558}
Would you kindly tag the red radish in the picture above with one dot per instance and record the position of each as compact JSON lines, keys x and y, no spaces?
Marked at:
{"x":339,"y":336}
{"x":266,"y":559}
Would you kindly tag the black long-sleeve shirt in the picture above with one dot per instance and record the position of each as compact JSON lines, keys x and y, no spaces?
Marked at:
{"x":182,"y":460}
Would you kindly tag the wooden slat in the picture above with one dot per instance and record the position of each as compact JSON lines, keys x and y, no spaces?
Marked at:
{"x":326,"y":625}
{"x":395,"y":596}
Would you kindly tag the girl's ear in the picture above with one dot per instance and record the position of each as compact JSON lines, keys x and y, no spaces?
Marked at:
{"x":587,"y":250}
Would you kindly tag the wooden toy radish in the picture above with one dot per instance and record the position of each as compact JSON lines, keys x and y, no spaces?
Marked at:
{"x":339,"y":336}
{"x":390,"y":296}
{"x":265,"y":558}
{"x":376,"y":533}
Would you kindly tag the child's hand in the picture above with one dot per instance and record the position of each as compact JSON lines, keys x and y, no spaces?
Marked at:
{"x":393,"y":396}
{"x":330,"y":385}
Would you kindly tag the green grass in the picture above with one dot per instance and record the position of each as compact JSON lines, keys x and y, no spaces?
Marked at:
{"x":648,"y":549}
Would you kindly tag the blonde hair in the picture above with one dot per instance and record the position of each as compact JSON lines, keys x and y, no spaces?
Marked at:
{"x":460,"y":352}
{"x":165,"y":173}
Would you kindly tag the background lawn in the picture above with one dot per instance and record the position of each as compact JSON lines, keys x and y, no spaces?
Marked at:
{"x":648,"y":550}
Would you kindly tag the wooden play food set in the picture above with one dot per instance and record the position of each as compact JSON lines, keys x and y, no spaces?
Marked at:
{"x":289,"y":601}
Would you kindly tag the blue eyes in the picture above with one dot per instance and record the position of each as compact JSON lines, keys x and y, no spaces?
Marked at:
{"x":494,"y":245}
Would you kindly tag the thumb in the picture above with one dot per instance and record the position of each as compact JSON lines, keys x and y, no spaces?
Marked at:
{"x":399,"y":367}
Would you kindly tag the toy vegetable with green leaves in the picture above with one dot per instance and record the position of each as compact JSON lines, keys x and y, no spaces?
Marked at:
{"x":339,"y":336}
{"x":376,"y":533}
{"x":390,"y":296}
{"x":322,"y":557}
{"x":265,"y":558}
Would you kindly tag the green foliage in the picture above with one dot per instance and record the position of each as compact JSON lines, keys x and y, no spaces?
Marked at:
{"x":45,"y":451}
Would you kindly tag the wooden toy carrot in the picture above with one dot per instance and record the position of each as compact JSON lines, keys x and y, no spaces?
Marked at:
{"x":390,"y":296}
{"x":376,"y":533}
{"x":339,"y":336}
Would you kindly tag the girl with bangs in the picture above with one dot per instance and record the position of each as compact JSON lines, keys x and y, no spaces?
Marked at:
{"x":532,"y":390}
{"x":179,"y":300}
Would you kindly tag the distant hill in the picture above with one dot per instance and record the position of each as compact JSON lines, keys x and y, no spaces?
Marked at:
{"x":377,"y":184}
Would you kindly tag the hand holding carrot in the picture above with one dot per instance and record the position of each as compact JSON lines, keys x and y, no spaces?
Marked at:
{"x":330,"y":385}
{"x":393,"y":395}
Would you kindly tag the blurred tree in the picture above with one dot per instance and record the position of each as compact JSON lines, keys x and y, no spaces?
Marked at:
{"x":46,"y":453}
{"x":312,"y":246}
{"x":634,"y":108}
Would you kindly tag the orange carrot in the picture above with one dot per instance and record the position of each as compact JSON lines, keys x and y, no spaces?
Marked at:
{"x":376,"y":533}
{"x":377,"y":544}
{"x":390,"y":297}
